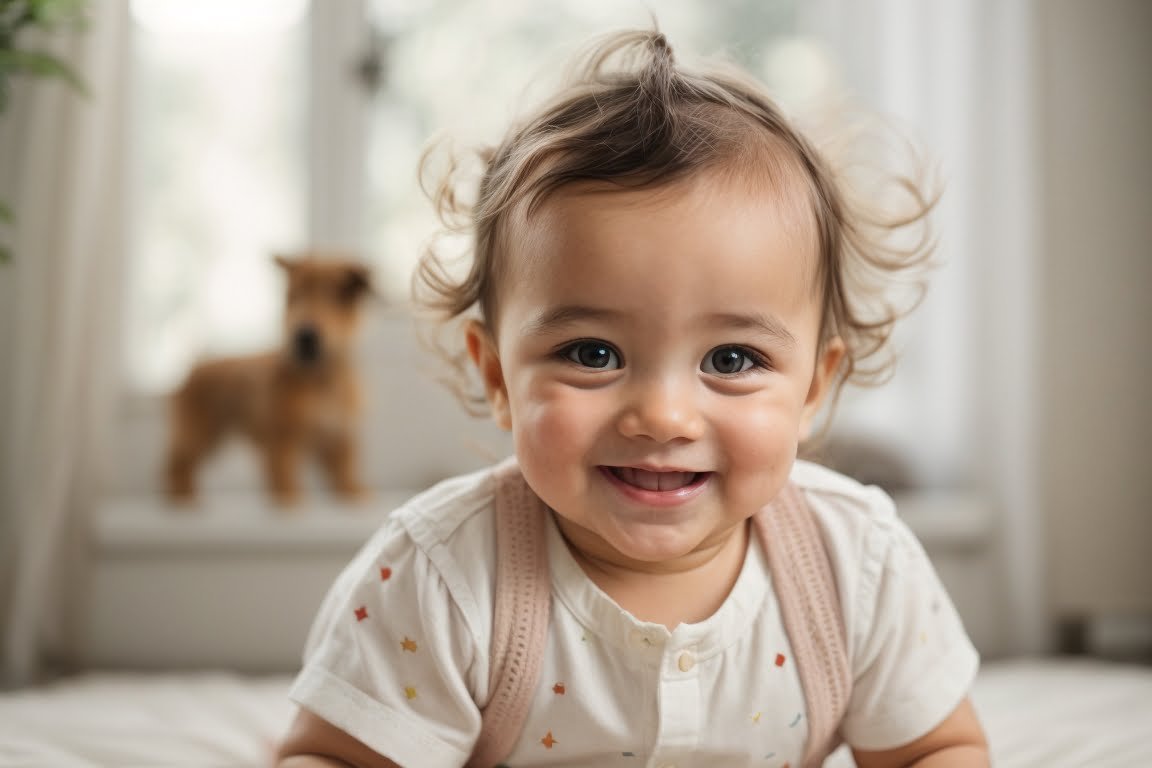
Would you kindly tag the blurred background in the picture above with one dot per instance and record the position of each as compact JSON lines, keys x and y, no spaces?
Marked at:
{"x":144,"y":212}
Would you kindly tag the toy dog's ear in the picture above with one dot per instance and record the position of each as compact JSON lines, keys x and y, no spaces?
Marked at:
{"x":357,"y":283}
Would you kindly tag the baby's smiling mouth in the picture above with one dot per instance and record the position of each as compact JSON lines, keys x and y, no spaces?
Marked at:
{"x":650,"y":480}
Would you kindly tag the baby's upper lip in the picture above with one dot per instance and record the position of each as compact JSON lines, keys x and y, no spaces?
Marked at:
{"x":655,"y":468}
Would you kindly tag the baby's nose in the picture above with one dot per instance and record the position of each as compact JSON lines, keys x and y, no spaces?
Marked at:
{"x":663,"y":411}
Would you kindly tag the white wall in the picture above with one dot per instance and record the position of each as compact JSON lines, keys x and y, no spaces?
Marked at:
{"x":1095,"y":284}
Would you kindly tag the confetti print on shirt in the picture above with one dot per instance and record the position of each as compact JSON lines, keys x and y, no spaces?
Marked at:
{"x":780,"y":659}
{"x":385,"y":574}
{"x":361,"y":613}
{"x":548,"y":741}
{"x":796,"y":721}
{"x":408,"y":644}
{"x":409,"y":692}
{"x":559,"y":689}
{"x":756,"y":718}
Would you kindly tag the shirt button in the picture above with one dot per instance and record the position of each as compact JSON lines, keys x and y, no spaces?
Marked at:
{"x":640,"y":639}
{"x":686,"y":662}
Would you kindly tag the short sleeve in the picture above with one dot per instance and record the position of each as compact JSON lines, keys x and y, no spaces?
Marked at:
{"x":912,"y":660}
{"x":390,"y":659}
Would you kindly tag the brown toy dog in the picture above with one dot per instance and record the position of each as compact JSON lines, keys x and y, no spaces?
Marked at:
{"x":302,"y":399}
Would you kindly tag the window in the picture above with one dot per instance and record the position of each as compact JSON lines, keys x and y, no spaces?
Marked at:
{"x":218,"y":177}
{"x":263,"y":126}
{"x":223,"y":118}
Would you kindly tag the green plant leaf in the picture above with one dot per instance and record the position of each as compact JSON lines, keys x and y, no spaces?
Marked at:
{"x":40,"y":65}
{"x":53,"y":13}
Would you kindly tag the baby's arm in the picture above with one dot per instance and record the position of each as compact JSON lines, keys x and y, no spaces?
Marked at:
{"x":958,"y":741}
{"x":313,"y":742}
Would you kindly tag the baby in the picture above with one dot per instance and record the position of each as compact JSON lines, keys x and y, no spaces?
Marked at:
{"x":667,"y":283}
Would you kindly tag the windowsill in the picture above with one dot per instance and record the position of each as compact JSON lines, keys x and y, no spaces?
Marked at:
{"x":237,"y":521}
{"x":249,"y":522}
{"x":247,"y":576}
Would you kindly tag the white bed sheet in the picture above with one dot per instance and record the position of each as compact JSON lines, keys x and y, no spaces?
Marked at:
{"x":144,"y":720}
{"x":1049,"y":713}
{"x":1067,"y":713}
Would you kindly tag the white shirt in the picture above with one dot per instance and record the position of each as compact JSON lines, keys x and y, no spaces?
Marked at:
{"x":398,"y":655}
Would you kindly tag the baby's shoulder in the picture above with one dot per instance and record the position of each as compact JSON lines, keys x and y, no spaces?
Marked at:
{"x":450,"y":513}
{"x":444,"y":534}
{"x":840,"y":501}
{"x":870,"y":548}
{"x":860,"y":525}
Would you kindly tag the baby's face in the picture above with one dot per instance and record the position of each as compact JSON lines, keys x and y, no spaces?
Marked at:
{"x":656,"y":361}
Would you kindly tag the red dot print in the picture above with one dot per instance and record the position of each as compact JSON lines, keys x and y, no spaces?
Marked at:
{"x":558,"y":689}
{"x":780,"y":659}
{"x":385,"y":574}
{"x":361,"y":613}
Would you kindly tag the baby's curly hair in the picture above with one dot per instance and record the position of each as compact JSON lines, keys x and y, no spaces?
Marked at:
{"x":630,"y":116}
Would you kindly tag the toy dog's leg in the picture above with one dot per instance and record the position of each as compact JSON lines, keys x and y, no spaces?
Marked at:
{"x":190,"y":440}
{"x":282,"y":466}
{"x":181,"y":473}
{"x":340,"y":457}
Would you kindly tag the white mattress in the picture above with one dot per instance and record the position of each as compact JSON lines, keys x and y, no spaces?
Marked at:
{"x":1037,"y":713}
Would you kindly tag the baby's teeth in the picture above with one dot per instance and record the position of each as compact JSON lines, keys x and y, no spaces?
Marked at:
{"x":655,"y":481}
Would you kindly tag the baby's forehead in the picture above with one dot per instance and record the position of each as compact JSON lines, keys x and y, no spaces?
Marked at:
{"x":779,"y":194}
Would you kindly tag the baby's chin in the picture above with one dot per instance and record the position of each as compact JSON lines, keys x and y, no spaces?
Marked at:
{"x":645,"y":548}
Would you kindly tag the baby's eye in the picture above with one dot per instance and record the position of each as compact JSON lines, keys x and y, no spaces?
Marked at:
{"x":592,"y":354}
{"x":727,"y":361}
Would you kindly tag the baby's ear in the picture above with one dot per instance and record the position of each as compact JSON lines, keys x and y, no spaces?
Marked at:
{"x":482,"y":350}
{"x":824,"y":375}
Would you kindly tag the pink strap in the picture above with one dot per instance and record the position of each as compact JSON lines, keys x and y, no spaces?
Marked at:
{"x":810,"y":608}
{"x":520,"y":620}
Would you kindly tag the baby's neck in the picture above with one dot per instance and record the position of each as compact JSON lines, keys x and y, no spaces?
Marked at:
{"x":686,"y":594}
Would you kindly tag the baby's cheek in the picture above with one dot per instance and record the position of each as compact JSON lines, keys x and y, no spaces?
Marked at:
{"x":760,"y":448}
{"x":551,"y":428}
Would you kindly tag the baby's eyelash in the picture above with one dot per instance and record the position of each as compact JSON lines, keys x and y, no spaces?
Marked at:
{"x":761,"y":361}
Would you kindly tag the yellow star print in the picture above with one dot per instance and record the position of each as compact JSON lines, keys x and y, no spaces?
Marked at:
{"x":408,"y":644}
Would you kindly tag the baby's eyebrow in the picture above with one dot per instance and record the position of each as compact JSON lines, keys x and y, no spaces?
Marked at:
{"x":755,"y":321}
{"x":550,"y":320}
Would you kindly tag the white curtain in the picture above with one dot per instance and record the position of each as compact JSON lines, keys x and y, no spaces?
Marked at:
{"x":958,"y":75}
{"x":59,"y":340}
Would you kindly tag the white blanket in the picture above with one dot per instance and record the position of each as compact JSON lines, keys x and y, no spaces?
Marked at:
{"x":1048,"y":713}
